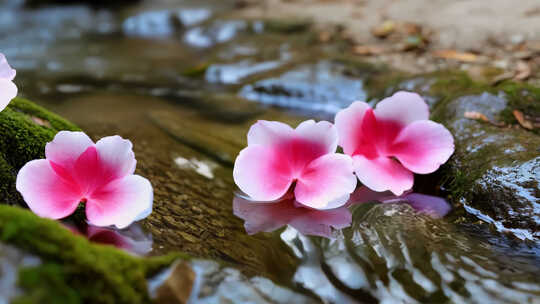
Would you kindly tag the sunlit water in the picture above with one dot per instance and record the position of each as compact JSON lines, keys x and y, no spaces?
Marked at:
{"x":131,"y":72}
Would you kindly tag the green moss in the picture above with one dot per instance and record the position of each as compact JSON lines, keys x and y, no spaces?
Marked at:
{"x":25,"y":128}
{"x":522,"y":97}
{"x":75,"y":270}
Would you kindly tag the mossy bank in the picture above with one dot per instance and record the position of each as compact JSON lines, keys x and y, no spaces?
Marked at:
{"x":73,"y":270}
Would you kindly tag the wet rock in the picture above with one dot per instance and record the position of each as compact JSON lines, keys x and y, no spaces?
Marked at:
{"x":25,"y":128}
{"x":219,"y":131}
{"x":321,"y":87}
{"x":495,"y":170}
{"x":234,"y":73}
{"x":392,"y":254}
{"x":218,"y":31}
{"x":176,"y":287}
{"x":164,"y":23}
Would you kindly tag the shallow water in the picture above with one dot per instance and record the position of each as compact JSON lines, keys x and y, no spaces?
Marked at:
{"x":184,"y":88}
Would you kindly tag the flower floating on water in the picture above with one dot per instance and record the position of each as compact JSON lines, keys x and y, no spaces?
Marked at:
{"x":391,"y":142}
{"x":77,"y":170}
{"x":8,"y":90}
{"x":279,"y":157}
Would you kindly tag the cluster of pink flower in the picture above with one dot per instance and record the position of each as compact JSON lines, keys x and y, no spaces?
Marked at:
{"x":78,"y":170}
{"x":382,"y":148}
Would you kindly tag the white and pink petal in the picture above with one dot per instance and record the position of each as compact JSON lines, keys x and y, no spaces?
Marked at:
{"x":403,"y":108}
{"x":45,"y":193}
{"x":269,"y":133}
{"x":263,"y":173}
{"x":328,"y":180}
{"x":66,"y":148}
{"x":116,"y":157}
{"x":120,"y":202}
{"x":383,"y":174}
{"x":423,"y":146}
{"x":349,"y":126}
{"x":6,"y":72}
{"x":322,"y":133}
{"x":8,"y":91}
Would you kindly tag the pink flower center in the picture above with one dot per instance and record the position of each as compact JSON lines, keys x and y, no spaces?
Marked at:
{"x":376,"y":137}
{"x":296,"y":154}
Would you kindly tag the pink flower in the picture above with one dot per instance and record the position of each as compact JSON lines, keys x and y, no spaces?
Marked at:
{"x":8,"y":90}
{"x":77,"y":170}
{"x":392,"y":141}
{"x":278,"y":157}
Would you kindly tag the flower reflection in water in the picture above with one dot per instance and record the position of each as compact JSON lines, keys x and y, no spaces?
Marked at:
{"x":132,"y":239}
{"x":270,"y":216}
{"x":435,"y":206}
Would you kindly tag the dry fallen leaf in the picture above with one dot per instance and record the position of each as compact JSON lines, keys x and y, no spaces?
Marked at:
{"x":325,"y":36}
{"x":476,"y":116}
{"x":411,"y":28}
{"x":525,"y":123}
{"x":455,"y":55}
{"x":479,"y":116}
{"x":366,"y":50}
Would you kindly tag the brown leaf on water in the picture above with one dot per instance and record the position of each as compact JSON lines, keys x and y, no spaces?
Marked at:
{"x":523,"y":70}
{"x":522,"y":120}
{"x":366,"y":50}
{"x":455,"y":55}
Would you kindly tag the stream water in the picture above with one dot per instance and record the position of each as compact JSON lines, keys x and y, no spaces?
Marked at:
{"x":184,"y":80}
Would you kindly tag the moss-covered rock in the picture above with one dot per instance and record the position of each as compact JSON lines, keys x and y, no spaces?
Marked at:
{"x":73,"y":269}
{"x":25,"y":129}
{"x":495,"y":170}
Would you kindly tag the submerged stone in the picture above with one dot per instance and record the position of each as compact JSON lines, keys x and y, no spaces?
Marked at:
{"x":322,"y":87}
{"x":164,"y":23}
